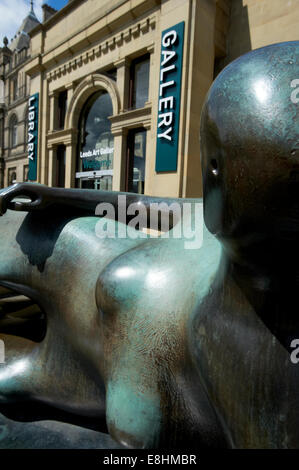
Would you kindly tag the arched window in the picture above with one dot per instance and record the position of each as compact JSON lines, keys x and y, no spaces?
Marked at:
{"x":13,"y":130}
{"x":96,"y":147}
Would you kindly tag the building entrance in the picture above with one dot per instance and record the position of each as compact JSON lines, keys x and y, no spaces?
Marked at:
{"x":96,"y":147}
{"x":99,"y":180}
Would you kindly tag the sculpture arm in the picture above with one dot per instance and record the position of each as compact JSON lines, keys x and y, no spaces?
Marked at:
{"x":63,"y":199}
{"x":43,"y":197}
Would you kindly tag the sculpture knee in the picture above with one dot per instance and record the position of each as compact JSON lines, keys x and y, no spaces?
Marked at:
{"x":133,"y":417}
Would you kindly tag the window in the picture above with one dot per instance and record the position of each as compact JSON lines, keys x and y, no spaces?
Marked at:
{"x":14,"y":89}
{"x":136,"y":148}
{"x":25,"y":173}
{"x":96,"y":145}
{"x":139,"y":82}
{"x":62,"y":104}
{"x":12,"y":176}
{"x":13,"y":129}
{"x":60,"y":166}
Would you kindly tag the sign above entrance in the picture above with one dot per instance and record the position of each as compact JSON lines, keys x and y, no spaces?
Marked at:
{"x":97,"y":152}
{"x":169,"y":98}
{"x":94,"y":174}
{"x":32,"y":136}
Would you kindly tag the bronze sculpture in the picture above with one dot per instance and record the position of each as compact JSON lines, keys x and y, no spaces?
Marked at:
{"x":172,"y":347}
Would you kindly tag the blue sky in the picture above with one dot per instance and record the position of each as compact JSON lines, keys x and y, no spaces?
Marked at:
{"x":56,"y":3}
{"x":12,"y":13}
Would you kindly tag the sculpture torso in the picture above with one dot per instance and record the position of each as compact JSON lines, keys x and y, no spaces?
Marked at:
{"x":125,"y":323}
{"x":116,"y":315}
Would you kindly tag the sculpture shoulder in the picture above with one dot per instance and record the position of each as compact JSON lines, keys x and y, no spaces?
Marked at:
{"x":159,"y":275}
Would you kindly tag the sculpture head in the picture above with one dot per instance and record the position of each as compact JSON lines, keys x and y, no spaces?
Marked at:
{"x":250,"y":147}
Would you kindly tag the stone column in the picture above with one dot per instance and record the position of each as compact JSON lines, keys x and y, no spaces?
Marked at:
{"x":70,"y":87}
{"x":52,"y":166}
{"x":122,"y":81}
{"x":152,"y":71}
{"x":149,"y":160}
{"x":70,"y":91}
{"x":119,"y":160}
{"x":70,"y":165}
{"x":53,"y":111}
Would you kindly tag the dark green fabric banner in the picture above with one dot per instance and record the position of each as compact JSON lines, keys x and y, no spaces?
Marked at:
{"x":33,"y":136}
{"x":169,"y":98}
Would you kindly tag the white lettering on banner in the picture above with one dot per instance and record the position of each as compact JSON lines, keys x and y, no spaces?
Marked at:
{"x":31,"y":127}
{"x":166,"y":69}
{"x":168,"y":55}
{"x":166,"y":119}
{"x":31,"y":99}
{"x":169,"y":38}
{"x":165,"y":101}
{"x":165,"y":134}
{"x":165,"y":85}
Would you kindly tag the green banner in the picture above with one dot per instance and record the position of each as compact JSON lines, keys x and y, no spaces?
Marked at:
{"x":33,"y":136}
{"x":169,"y":98}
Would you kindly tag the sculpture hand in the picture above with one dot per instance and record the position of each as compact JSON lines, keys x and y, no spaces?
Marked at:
{"x":36,"y":194}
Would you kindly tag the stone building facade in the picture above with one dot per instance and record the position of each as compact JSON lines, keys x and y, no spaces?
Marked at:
{"x":14,"y":94}
{"x":98,"y":79}
{"x":117,"y":87}
{"x":13,"y":110}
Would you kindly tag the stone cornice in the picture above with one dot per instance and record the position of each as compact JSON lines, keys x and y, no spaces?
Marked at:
{"x":16,"y":69}
{"x":131,"y":119}
{"x":64,"y":136}
{"x":11,"y":158}
{"x":103,"y":48}
{"x":34,"y":65}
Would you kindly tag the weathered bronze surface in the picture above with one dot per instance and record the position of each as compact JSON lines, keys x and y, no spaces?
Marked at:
{"x":170,"y":347}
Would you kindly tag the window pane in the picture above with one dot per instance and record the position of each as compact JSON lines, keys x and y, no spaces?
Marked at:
{"x":60,"y":166}
{"x":13,"y":132}
{"x":62,"y":104}
{"x":137,"y":148}
{"x":96,"y":141}
{"x":104,"y":183}
{"x":140,"y":84}
{"x":14,"y":135}
{"x":25,"y":172}
{"x":15,"y":89}
{"x":12,"y":176}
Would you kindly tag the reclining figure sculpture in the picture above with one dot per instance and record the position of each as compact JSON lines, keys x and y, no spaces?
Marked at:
{"x":172,"y":347}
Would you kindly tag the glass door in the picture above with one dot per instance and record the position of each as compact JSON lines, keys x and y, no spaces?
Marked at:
{"x":136,"y":148}
{"x":103,"y":183}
